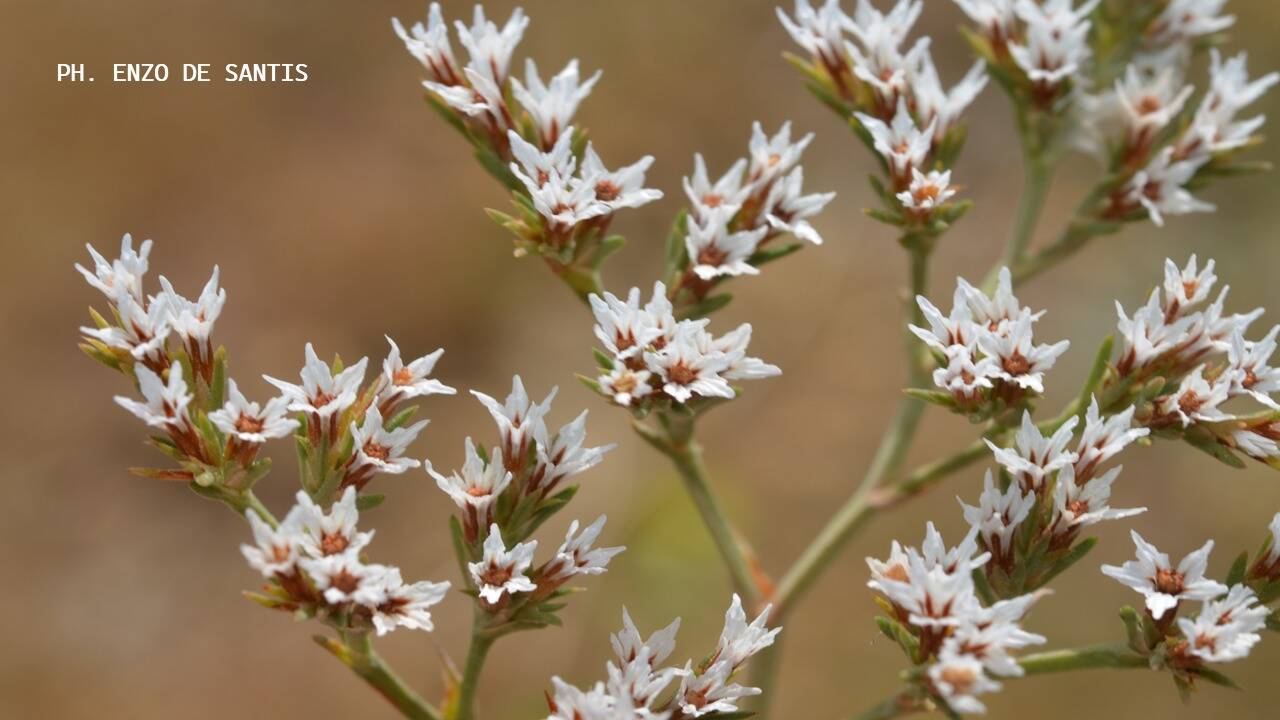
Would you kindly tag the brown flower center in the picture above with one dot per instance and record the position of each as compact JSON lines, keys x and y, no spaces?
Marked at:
{"x":959,"y":678}
{"x":376,"y":451}
{"x":496,"y":575}
{"x":1190,"y":402}
{"x":1016,"y":364}
{"x":345,"y":581}
{"x":403,"y":376}
{"x":333,"y":543}
{"x":606,"y":190}
{"x":1169,"y":582}
{"x":248,"y":424}
{"x":681,"y":374}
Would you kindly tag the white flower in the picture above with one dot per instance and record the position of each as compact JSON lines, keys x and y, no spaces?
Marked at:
{"x":501,"y":571}
{"x":686,"y":369}
{"x":1226,"y":628}
{"x":771,"y":157}
{"x":734,"y":346}
{"x":275,"y":550}
{"x":562,"y":201}
{"x":1151,"y":102}
{"x":959,"y":679}
{"x":953,"y":335}
{"x":962,"y":559}
{"x":1160,"y":583}
{"x":250,"y":422}
{"x":124,"y":273}
{"x":1197,"y":400}
{"x":164,"y":401}
{"x":322,"y":393}
{"x":724,"y":196}
{"x":621,"y":188}
{"x":714,"y":251}
{"x":1251,"y":375}
{"x":625,"y":328}
{"x":406,"y":604}
{"x":1273,"y":549}
{"x":1255,"y":444}
{"x":892,"y":569}
{"x":490,"y":49}
{"x":323,"y":534}
{"x":1186,"y":287}
{"x":1057,"y":39}
{"x":344,"y":579}
{"x":403,"y":382}
{"x":576,"y":555}
{"x":1160,"y":187}
{"x":143,"y":329}
{"x":902,"y":145}
{"x":997,"y":517}
{"x":478,"y":485}
{"x":936,"y":105}
{"x":382,"y":450}
{"x":739,"y":640}
{"x":563,"y":455}
{"x":537,"y":167}
{"x":1215,"y":128}
{"x":933,"y":597}
{"x":552,"y":106}
{"x":628,"y":644}
{"x":480,"y":99}
{"x":999,"y":311}
{"x":927,"y":192}
{"x":786,"y":207}
{"x":995,"y":17}
{"x":710,"y":692}
{"x":1021,"y":361}
{"x":1183,"y":20}
{"x":1076,"y":506}
{"x":626,"y":385}
{"x":430,"y":45}
{"x":992,"y":632}
{"x":1102,"y":439}
{"x":636,"y":686}
{"x":880,"y":63}
{"x":964,"y":377}
{"x":820,"y":32}
{"x":518,"y":418}
{"x":1034,"y":457}
{"x":570,"y":703}
{"x":194,"y":320}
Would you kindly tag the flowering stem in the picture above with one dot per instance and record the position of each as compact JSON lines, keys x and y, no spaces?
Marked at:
{"x":1039,"y":167}
{"x":356,"y":652}
{"x":480,"y":644}
{"x":1086,"y":658}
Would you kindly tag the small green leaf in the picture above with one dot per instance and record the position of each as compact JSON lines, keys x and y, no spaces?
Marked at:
{"x":369,"y":502}
{"x":1236,"y":574}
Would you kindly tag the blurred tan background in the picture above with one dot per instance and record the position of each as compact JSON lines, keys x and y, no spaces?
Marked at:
{"x":342,"y":208}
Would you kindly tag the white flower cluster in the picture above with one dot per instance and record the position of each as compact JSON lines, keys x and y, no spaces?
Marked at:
{"x":1227,"y":625}
{"x":932,"y":588}
{"x":637,"y":682}
{"x":986,"y":347}
{"x":1054,"y":46}
{"x":654,"y":355}
{"x":143,"y":322}
{"x":757,"y":199}
{"x":314,"y":559}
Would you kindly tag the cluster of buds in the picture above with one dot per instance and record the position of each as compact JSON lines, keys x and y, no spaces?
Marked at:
{"x":511,"y":491}
{"x":653,"y":360}
{"x":894,"y":100}
{"x":936,"y":613}
{"x":1031,"y":520}
{"x":1182,"y":359}
{"x":731,"y":221}
{"x":314,"y":566}
{"x":987,"y":359}
{"x":639,"y":687}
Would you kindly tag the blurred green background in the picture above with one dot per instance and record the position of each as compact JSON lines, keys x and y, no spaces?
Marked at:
{"x":342,"y":208}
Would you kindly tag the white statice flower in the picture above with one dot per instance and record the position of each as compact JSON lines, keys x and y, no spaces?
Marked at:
{"x":1215,"y":128}
{"x":1076,"y":506}
{"x":275,"y":551}
{"x":1196,"y":400}
{"x":564,"y":454}
{"x":734,"y":347}
{"x":475,"y":488}
{"x":966,"y":378}
{"x":935,"y":595}
{"x":628,"y":643}
{"x":1162,"y":328}
{"x":959,"y":680}
{"x":1256,"y":444}
{"x":1226,"y":628}
{"x":999,"y":311}
{"x":552,"y":105}
{"x":636,"y":687}
{"x":249,"y":422}
{"x":953,"y":335}
{"x":710,"y":692}
{"x":322,"y":534}
{"x":404,"y":604}
{"x":1034,"y":458}
{"x":322,"y":393}
{"x":480,"y":99}
{"x":501,"y":571}
{"x":125,"y":273}
{"x":143,"y":328}
{"x":771,"y":157}
{"x":1151,"y":102}
{"x":401,"y":382}
{"x":739,"y":639}
{"x":820,"y":32}
{"x":537,"y":167}
{"x":164,"y":402}
{"x":993,"y":632}
{"x":878,"y":59}
{"x":194,"y":320}
{"x":902,"y":144}
{"x":927,"y":191}
{"x":995,"y":18}
{"x":787,"y":208}
{"x":625,"y":328}
{"x":342,"y":578}
{"x":724,"y":196}
{"x":1250,"y":373}
{"x":1160,"y":187}
{"x":997,"y":516}
{"x":891,"y":569}
{"x":577,"y":556}
{"x":626,"y":386}
{"x":381,"y":450}
{"x":715,"y":251}
{"x":1103,"y":439}
{"x":938,"y":106}
{"x":1163,"y":585}
{"x":621,"y":188}
{"x":1021,"y":361}
{"x":561,"y":199}
{"x":430,"y":45}
{"x":686,"y":369}
{"x":1185,"y":20}
{"x":569,"y":703}
{"x":1057,"y":40}
{"x":1269,"y":561}
{"x":490,"y":49}
{"x":964,"y":556}
{"x":518,"y":419}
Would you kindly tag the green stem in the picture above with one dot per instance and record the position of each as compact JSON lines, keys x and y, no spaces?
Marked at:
{"x":251,"y":502}
{"x":1039,"y":169}
{"x":356,"y":652}
{"x":1086,"y":658}
{"x":476,"y":655}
